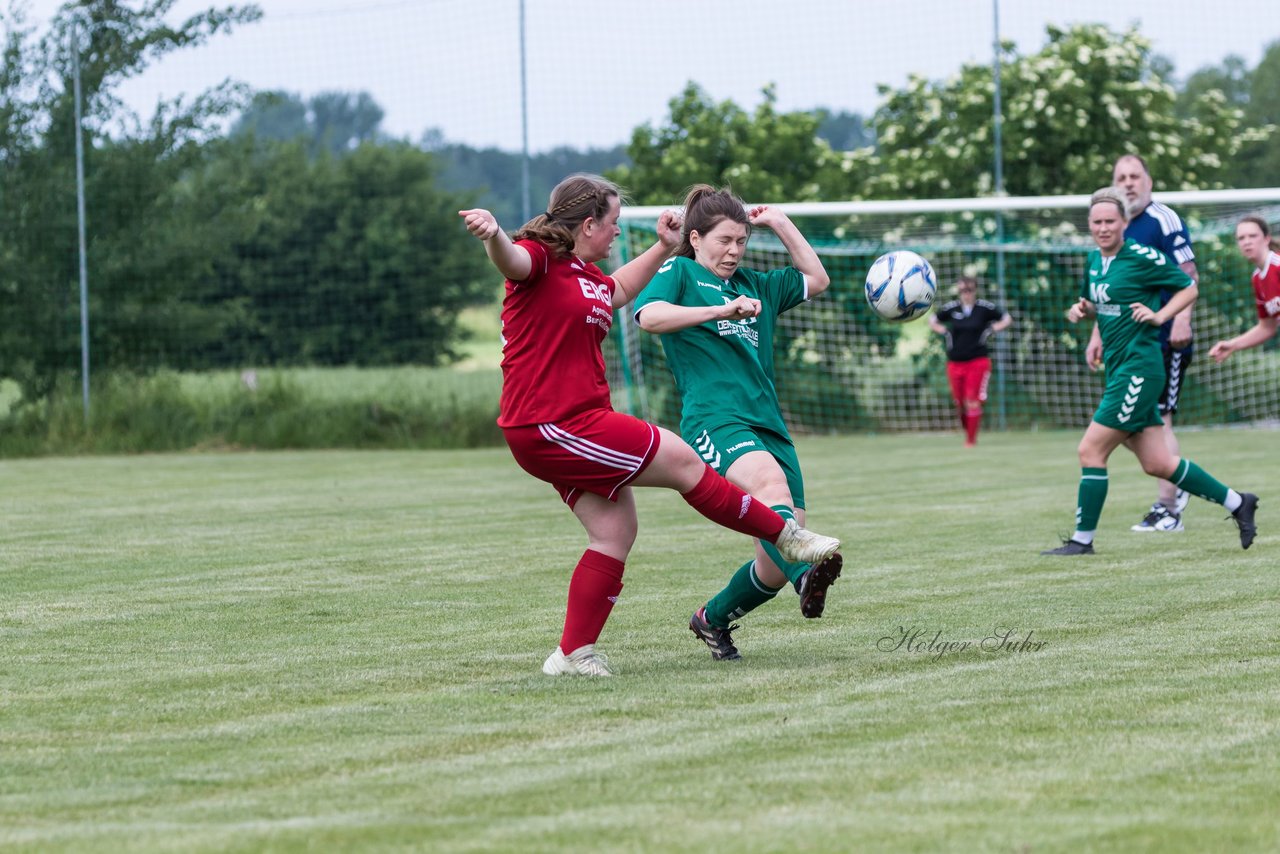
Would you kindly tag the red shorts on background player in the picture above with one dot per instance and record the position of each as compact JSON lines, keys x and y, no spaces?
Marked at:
{"x":969,"y":390}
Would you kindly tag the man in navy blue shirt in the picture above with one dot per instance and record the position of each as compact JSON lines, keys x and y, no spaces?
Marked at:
{"x":1156,"y":225}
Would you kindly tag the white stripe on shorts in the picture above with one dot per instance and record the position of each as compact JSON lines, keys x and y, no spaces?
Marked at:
{"x":589,"y":450}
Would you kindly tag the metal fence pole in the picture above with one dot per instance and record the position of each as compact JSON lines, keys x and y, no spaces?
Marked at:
{"x":1001,"y":348}
{"x":80,"y":223}
{"x":526,"y":204}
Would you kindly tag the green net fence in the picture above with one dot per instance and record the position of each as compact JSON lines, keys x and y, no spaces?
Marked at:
{"x":840,"y":368}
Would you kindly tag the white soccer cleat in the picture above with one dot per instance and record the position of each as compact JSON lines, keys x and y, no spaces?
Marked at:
{"x":800,"y":545}
{"x":583,"y":661}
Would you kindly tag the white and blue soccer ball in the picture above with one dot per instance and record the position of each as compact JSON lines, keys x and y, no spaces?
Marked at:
{"x":901,"y":286}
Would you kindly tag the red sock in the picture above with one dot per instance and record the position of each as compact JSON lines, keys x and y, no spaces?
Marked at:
{"x":972,"y":419}
{"x":725,"y":504}
{"x":593,"y":589}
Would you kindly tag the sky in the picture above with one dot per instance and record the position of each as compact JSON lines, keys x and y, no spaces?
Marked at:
{"x":597,"y":69}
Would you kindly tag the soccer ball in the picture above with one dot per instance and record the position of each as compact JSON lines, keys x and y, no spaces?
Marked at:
{"x":901,"y":286}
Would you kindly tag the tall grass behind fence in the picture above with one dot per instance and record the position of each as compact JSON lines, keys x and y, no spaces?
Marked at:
{"x":268,"y":409}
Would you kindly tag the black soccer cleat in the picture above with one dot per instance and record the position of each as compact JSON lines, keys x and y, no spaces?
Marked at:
{"x":721,"y":643}
{"x":1070,"y":547}
{"x":814,"y":584}
{"x":1243,"y":517}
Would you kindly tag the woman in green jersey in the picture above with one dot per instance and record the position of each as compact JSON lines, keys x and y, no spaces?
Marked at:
{"x":1122,"y":291}
{"x":717,"y":321}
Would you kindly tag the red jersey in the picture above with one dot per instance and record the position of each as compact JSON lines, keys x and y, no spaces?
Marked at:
{"x":1266,"y":287}
{"x":553,"y":326}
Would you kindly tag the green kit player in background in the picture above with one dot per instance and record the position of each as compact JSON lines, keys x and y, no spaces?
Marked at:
{"x":717,"y":319}
{"x":1122,"y":290}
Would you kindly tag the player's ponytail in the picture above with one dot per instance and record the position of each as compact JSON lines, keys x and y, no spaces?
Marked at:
{"x":704,"y":208}
{"x":573,"y":201}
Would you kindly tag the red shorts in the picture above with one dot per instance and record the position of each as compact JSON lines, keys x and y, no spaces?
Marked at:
{"x":598,"y":451}
{"x":969,"y":379}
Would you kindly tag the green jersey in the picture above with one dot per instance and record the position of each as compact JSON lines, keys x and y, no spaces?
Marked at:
{"x":724,"y":368}
{"x":1135,"y":274}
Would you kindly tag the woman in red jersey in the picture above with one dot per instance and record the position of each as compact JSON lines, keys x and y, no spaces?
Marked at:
{"x":556,"y":414}
{"x":1253,"y":236}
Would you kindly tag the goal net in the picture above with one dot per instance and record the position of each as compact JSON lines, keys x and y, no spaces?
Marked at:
{"x":840,"y":368}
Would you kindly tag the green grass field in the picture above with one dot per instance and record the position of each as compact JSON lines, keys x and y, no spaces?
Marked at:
{"x":341,"y":650}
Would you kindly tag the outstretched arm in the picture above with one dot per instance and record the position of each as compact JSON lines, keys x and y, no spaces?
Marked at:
{"x":512,"y":261}
{"x":803,"y":258}
{"x":1263,"y":331}
{"x":632,"y":276}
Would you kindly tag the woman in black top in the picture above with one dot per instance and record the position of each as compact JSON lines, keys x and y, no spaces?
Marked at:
{"x":968,"y":322}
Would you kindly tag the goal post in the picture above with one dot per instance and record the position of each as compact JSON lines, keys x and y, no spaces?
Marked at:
{"x":840,"y":368}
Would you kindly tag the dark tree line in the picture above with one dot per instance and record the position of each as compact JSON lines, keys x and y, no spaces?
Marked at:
{"x":317,"y":243}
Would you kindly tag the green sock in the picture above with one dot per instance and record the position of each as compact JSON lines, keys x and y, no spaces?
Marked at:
{"x":1090,"y":498}
{"x":744,"y":593}
{"x":792,"y":571}
{"x":1197,"y":481}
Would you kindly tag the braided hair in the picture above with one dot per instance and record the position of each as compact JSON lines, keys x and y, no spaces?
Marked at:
{"x":573,"y":201}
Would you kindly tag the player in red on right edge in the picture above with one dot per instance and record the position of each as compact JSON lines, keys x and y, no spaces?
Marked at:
{"x":1253,"y":236}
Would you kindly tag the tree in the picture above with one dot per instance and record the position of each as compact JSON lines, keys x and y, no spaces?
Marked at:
{"x":125,"y":175}
{"x":1254,"y":91}
{"x":277,"y":116}
{"x":1232,"y":78}
{"x":1089,"y":95}
{"x":343,"y":121}
{"x":496,"y":175}
{"x":1069,"y":110}
{"x":206,"y":251}
{"x":331,"y":122}
{"x":358,"y":259}
{"x":844,"y":131}
{"x":765,"y":155}
{"x":1259,"y":162}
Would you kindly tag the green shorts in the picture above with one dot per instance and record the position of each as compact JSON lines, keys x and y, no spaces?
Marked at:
{"x":1131,"y":402}
{"x":721,"y":446}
